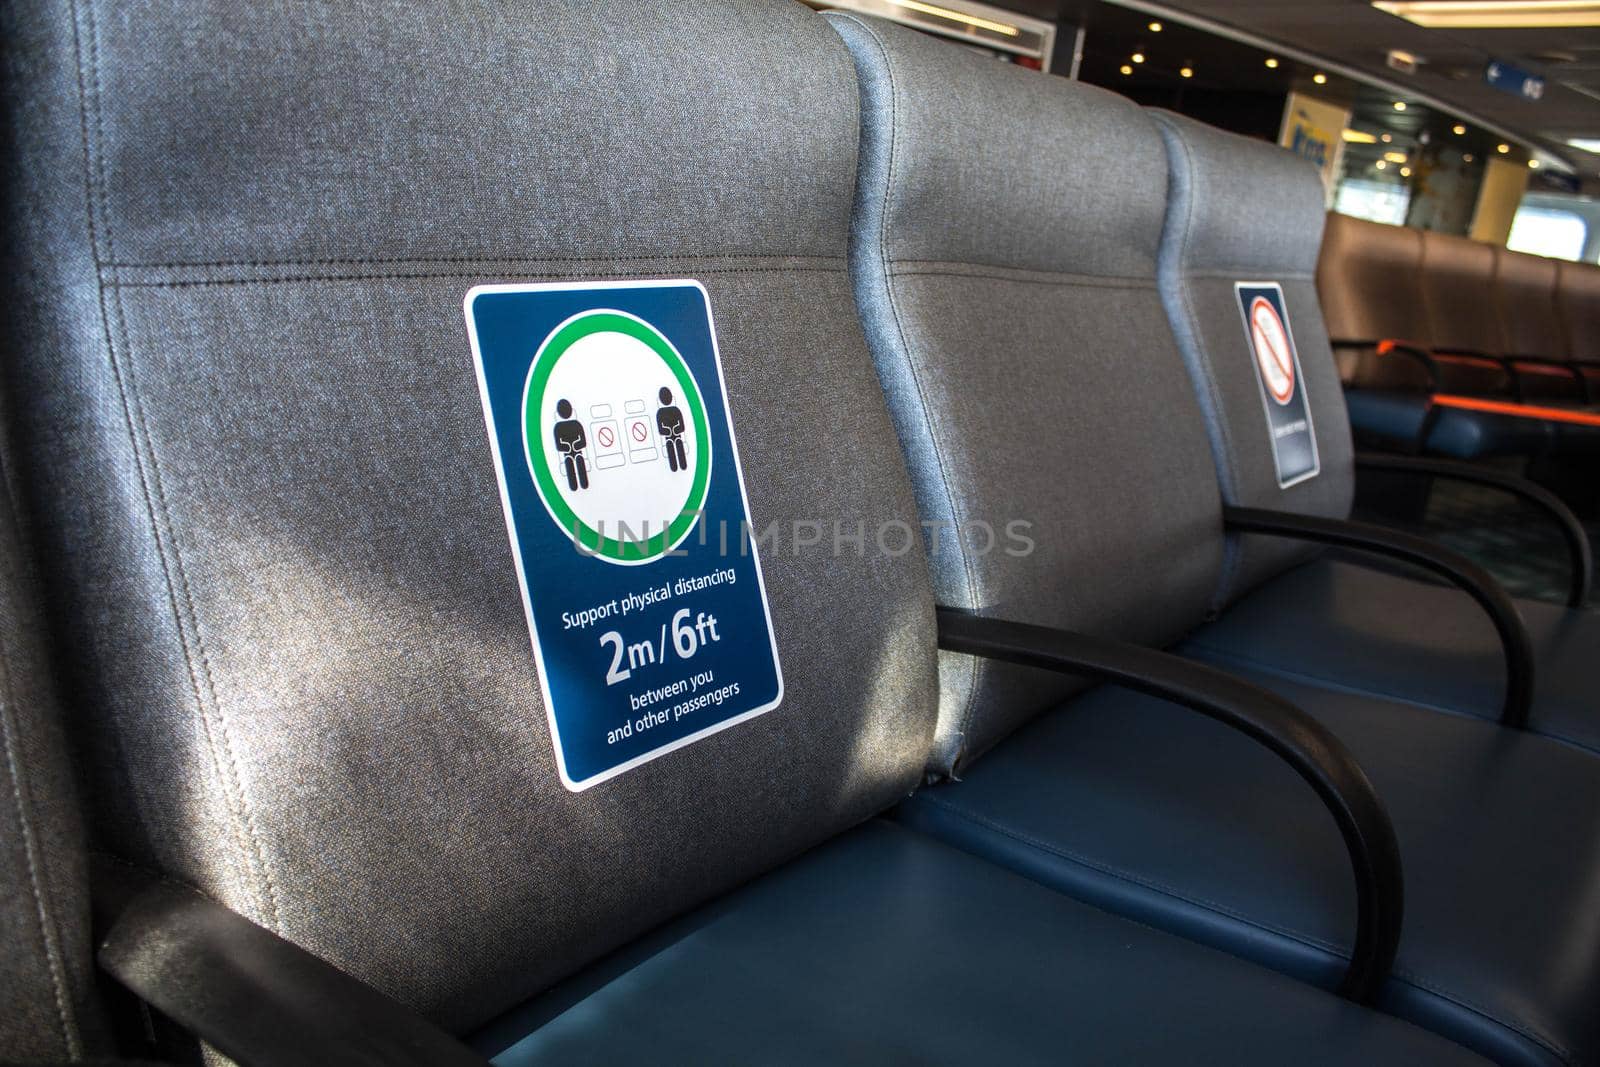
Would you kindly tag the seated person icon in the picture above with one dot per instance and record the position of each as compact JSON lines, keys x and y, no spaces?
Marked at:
{"x":669,"y":423}
{"x":570,"y":442}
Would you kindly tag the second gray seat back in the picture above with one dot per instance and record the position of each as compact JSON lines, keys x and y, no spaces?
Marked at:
{"x":1243,"y":211}
{"x":1004,"y":258}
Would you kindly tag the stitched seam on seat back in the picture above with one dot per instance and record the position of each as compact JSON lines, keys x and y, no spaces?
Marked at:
{"x":199,"y":283}
{"x":50,"y":935}
{"x":965,"y":718}
{"x":98,"y":199}
{"x":1407,"y":976}
{"x":369,"y":261}
{"x":1228,"y":471}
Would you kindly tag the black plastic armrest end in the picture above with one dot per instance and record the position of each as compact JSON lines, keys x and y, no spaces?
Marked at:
{"x":258,"y":999}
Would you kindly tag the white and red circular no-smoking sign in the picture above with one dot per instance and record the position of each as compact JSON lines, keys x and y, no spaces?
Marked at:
{"x":1273,"y":355}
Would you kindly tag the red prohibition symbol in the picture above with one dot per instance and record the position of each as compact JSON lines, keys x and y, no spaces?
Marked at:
{"x":639,"y":432}
{"x":607,"y":438}
{"x":1271,"y":342}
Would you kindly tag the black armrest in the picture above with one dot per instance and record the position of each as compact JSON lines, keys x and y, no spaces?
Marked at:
{"x":1513,"y":383}
{"x":1554,"y":364}
{"x":1579,"y":552}
{"x":1417,"y":355}
{"x":1418,"y":552}
{"x":1305,"y":744}
{"x":256,"y":998}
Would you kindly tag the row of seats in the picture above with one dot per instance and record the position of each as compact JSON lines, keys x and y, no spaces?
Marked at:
{"x":1321,"y":811}
{"x":1504,"y":341}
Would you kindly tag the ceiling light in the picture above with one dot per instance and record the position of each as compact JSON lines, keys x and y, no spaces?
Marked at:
{"x":1399,"y":105}
{"x":1458,"y":129}
{"x":958,"y":16}
{"x":1320,"y":78}
{"x":1502,"y":148}
{"x":1125,"y":69}
{"x":1357,"y":137}
{"x":1380,"y":164}
{"x":1405,"y":172}
{"x":1395,"y":157}
{"x":1137,"y":57}
{"x":1467,"y":158}
{"x":1493,"y":14}
{"x":1186,"y":72}
{"x":1272,"y":64}
{"x":1585,"y":144}
{"x":1386,"y":138}
{"x":1533,"y":164}
{"x":1155,"y":27}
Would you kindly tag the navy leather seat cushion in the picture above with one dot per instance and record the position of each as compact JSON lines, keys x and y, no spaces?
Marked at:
{"x":1388,"y":418}
{"x":1343,"y":625}
{"x":1461,"y":433}
{"x":886,"y":946}
{"x":1162,"y":815}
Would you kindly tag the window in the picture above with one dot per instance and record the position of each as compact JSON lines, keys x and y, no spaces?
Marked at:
{"x":1373,"y":201}
{"x":1545,"y":231}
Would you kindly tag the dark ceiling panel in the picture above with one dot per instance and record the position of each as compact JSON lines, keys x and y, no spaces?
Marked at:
{"x":1357,"y":35}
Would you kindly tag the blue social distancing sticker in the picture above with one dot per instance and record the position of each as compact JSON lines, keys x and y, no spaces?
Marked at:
{"x":626,"y":506}
{"x":1283,"y":387}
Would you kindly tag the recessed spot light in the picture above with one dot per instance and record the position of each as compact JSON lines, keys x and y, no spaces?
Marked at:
{"x":1533,"y":164}
{"x":1468,"y":158}
{"x":1186,"y":72}
{"x":1155,"y":27}
{"x":1381,"y":164}
{"x":1405,"y":172}
{"x":1399,"y":105}
{"x":1137,"y":57}
{"x":1386,"y":138}
{"x":1272,"y":64}
{"x":1458,"y":129}
{"x":1490,"y":15}
{"x":1502,"y":148}
{"x":1320,"y":78}
{"x":1125,"y":69}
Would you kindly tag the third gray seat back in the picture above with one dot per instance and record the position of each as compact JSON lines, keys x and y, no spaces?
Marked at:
{"x":1245,"y":211}
{"x":1004,"y":258}
{"x":241,"y":238}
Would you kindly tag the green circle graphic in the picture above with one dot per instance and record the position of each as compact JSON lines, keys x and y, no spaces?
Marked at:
{"x":544,"y":362}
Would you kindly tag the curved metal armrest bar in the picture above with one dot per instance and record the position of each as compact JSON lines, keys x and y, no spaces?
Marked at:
{"x":1507,"y":366}
{"x":258,"y":999}
{"x":1579,"y":552}
{"x":1305,"y":744}
{"x":1418,"y":552}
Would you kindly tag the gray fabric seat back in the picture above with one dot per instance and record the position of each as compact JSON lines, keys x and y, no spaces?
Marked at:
{"x":1245,"y":218}
{"x":1007,"y":283}
{"x":242,"y":235}
{"x":1369,"y":282}
{"x":47,"y":969}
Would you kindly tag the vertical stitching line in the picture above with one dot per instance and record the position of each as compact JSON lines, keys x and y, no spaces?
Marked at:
{"x":94,"y":175}
{"x":911,"y":365}
{"x":22,"y":796}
